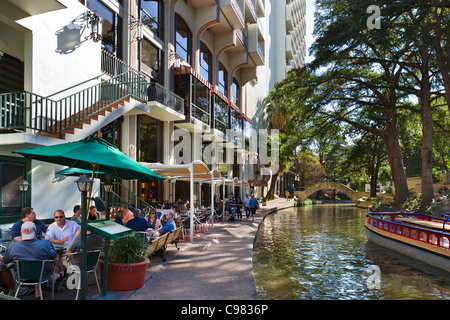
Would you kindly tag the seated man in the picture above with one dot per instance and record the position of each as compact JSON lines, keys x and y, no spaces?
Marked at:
{"x":31,"y":248}
{"x":28,"y":214}
{"x":61,"y":231}
{"x":169,"y":226}
{"x":137,"y":223}
{"x":93,"y":242}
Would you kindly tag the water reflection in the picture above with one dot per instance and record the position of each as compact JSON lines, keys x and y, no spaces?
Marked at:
{"x":321,"y":252}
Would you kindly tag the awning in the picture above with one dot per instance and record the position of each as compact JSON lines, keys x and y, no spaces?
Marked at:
{"x":194,"y":171}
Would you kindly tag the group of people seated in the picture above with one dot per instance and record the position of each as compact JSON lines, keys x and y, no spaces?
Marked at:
{"x":152,"y":225}
{"x":33,"y":240}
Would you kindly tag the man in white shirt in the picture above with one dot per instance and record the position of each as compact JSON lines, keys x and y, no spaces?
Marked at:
{"x":247,"y":205}
{"x":61,"y":231}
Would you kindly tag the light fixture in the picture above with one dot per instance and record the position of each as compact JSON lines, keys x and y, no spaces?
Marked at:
{"x":96,"y":26}
{"x":23,"y":185}
{"x":107,"y":186}
{"x":84,"y":183}
{"x":176,"y":60}
{"x":139,"y":27}
{"x":2,"y":54}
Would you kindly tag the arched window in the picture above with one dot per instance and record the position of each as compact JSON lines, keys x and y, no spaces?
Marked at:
{"x":205,"y":62}
{"x":183,"y":39}
{"x":223,"y":79}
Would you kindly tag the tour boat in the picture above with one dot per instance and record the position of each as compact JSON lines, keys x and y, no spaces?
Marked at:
{"x":419,"y":236}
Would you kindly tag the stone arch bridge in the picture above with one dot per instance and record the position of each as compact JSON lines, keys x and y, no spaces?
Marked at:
{"x":352,"y":194}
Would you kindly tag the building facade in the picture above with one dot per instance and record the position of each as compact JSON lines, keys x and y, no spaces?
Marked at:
{"x":140,"y":73}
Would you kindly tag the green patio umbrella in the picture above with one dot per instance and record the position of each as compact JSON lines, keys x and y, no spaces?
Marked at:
{"x":89,"y":154}
{"x":93,"y":154}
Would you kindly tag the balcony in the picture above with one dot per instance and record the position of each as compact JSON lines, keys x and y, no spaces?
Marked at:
{"x":164,"y":105}
{"x":233,"y":13}
{"x":250,"y":11}
{"x":196,"y":92}
{"x":202,"y":3}
{"x":289,"y":55}
{"x":256,"y":43}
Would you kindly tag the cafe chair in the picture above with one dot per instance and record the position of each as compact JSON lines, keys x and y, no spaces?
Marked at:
{"x":92,"y":262}
{"x":30,"y":273}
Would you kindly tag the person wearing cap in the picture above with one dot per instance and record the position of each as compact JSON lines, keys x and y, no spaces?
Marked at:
{"x":61,"y":231}
{"x":32,"y":249}
{"x":28,"y":214}
{"x":137,"y":223}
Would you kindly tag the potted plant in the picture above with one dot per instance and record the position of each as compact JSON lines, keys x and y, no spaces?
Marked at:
{"x":127,"y":263}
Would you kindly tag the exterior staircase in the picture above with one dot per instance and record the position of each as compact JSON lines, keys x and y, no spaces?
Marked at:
{"x":29,"y":112}
{"x":93,"y":115}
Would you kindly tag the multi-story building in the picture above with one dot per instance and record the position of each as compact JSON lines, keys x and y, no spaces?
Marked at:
{"x":287,"y":23}
{"x":136,"y":71}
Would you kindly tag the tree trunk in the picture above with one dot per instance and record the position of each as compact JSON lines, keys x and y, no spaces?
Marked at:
{"x":427,"y":134}
{"x":271,"y":191}
{"x":390,"y":138}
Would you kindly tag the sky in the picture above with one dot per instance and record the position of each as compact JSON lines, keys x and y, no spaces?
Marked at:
{"x":309,"y":26}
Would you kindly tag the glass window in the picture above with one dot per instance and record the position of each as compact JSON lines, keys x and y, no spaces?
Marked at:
{"x":183,"y":39}
{"x":222,"y":81}
{"x":112,"y":26}
{"x":151,"y":15}
{"x":205,"y":62}
{"x":148,"y":139}
{"x":221,"y":114}
{"x":236,"y":93}
{"x":202,"y":100}
{"x":151,"y":57}
{"x":12,"y":171}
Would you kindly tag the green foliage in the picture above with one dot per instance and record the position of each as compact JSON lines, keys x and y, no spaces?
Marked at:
{"x":128,"y":249}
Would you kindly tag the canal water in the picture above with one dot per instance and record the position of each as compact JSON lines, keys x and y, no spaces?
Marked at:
{"x":321,"y":252}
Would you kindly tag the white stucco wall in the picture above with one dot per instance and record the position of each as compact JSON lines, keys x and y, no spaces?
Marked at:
{"x":53,"y":70}
{"x":51,"y":191}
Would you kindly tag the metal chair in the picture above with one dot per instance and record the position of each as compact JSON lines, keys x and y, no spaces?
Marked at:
{"x":91,"y":265}
{"x":32,"y":273}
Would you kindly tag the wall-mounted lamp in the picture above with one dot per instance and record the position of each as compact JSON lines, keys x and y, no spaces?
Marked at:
{"x":139,"y":27}
{"x":2,"y":54}
{"x":96,"y":26}
{"x":176,"y":60}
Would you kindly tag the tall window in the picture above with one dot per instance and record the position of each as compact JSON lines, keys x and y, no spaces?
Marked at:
{"x":12,"y":171}
{"x":151,"y":60}
{"x":112,"y":26}
{"x":183,"y":39}
{"x":223,"y":80}
{"x":236,"y":93}
{"x":151,"y":14}
{"x":205,"y":62}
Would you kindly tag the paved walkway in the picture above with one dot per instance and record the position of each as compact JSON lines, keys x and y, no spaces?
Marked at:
{"x":216,"y":266}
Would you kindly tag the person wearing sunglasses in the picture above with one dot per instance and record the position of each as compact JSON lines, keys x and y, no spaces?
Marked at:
{"x":61,"y":231}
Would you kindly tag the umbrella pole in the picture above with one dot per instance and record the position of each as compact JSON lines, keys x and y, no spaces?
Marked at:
{"x":90,"y":189}
{"x":84,"y":212}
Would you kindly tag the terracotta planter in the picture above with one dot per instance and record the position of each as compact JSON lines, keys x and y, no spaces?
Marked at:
{"x":123,"y":276}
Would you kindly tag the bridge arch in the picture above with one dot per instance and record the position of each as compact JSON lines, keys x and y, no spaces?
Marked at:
{"x":352,"y":194}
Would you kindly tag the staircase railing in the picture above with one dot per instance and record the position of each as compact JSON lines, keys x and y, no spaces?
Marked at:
{"x":120,"y":192}
{"x":25,"y":110}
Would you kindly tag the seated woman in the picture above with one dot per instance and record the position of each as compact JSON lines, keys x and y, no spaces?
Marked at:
{"x":153,"y":222}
